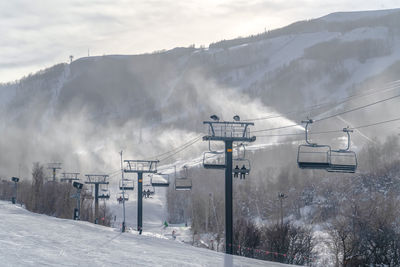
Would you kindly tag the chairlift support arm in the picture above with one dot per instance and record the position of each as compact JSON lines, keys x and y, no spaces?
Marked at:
{"x":307,"y":122}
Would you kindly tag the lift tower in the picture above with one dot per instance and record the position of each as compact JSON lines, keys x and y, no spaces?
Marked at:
{"x":54,"y":167}
{"x":140,"y":167}
{"x":97,"y":180}
{"x":228,"y":132}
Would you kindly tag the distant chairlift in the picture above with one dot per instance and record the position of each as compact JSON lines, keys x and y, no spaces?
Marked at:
{"x":312,"y":155}
{"x":241,"y":165}
{"x":343,"y":160}
{"x":104,"y":193}
{"x":183,"y":183}
{"x":159,"y":180}
{"x":126,"y":184}
{"x":213,"y":159}
{"x":121,"y":197}
{"x":148,"y":188}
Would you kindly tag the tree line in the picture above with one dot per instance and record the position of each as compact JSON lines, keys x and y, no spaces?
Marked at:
{"x":53,"y":198}
{"x":356,"y":212}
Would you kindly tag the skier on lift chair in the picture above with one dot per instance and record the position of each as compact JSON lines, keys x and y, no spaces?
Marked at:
{"x":243,"y":172}
{"x":236,"y":172}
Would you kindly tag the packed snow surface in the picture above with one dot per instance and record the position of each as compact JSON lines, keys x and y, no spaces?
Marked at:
{"x":29,"y":239}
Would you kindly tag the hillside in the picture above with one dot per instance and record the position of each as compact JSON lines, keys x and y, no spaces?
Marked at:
{"x":82,"y":113}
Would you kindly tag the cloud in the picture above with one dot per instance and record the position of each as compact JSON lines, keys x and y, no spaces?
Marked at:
{"x":36,"y":34}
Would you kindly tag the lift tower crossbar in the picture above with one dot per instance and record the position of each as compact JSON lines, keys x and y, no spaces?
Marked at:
{"x":97,"y":180}
{"x":140,"y":167}
{"x":228,"y":132}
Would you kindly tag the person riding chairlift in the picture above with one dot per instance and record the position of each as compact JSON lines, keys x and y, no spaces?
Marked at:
{"x":236,"y":172}
{"x":243,"y":172}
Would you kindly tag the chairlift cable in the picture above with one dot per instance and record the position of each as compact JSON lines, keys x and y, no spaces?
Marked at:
{"x":183,"y":148}
{"x":177,"y":148}
{"x":333,"y":131}
{"x":326,"y":104}
{"x":331,"y":116}
{"x":358,"y":108}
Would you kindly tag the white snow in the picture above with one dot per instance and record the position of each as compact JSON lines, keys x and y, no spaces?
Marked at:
{"x":356,"y":15}
{"x":154,"y":209}
{"x":29,"y":239}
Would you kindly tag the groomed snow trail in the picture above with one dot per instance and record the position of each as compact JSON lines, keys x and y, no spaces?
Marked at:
{"x":29,"y":239}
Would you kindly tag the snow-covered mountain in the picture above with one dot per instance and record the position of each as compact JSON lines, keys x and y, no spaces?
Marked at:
{"x":29,"y":239}
{"x":83,"y":113}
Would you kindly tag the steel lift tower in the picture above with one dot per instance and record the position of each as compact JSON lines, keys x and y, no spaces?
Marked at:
{"x":97,"y":180}
{"x":228,"y":132}
{"x":54,"y":167}
{"x":140,"y":167}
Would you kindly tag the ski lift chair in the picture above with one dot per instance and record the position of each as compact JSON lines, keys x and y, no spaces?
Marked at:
{"x":344,"y":160}
{"x":120,"y":197}
{"x":104,"y":193}
{"x":242,"y":165}
{"x":183,"y":183}
{"x":211,"y":160}
{"x":159,"y":180}
{"x":126,"y":184}
{"x":312,"y":155}
{"x":149,"y":187}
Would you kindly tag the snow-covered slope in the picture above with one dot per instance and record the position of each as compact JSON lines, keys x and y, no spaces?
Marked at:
{"x":355,"y":15}
{"x":28,"y":239}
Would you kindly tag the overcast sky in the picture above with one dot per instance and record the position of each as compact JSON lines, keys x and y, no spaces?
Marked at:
{"x":41,"y":33}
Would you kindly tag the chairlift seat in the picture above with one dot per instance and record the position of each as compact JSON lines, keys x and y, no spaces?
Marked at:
{"x":212,"y":161}
{"x":314,"y":156}
{"x":104,"y":196}
{"x":213,"y":166}
{"x":126,"y":185}
{"x":344,"y":161}
{"x":241,"y":171}
{"x":162,"y":180}
{"x":104,"y":193}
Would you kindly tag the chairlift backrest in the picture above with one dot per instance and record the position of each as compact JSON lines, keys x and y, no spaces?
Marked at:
{"x":183,"y":182}
{"x":314,"y":156}
{"x":159,"y":180}
{"x":212,"y":160}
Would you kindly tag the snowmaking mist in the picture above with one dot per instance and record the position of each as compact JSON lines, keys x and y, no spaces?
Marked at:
{"x":88,"y":140}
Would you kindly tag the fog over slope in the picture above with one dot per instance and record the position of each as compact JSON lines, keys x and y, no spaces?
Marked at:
{"x":83,"y":113}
